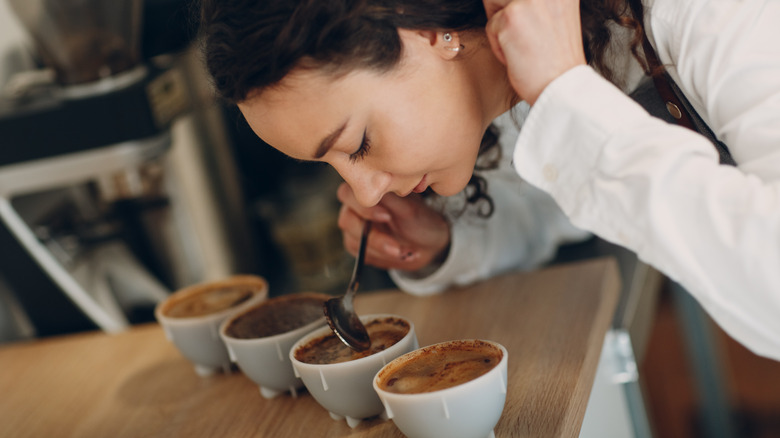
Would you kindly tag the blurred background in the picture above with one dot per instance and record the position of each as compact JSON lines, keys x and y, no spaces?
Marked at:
{"x":122,"y":179}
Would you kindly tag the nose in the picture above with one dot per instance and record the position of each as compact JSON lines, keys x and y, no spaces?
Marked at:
{"x":368,"y":185}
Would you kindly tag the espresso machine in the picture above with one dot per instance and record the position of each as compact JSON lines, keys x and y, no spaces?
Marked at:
{"x":94,"y":203}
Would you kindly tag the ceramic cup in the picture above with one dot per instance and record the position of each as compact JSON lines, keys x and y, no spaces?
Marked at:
{"x":416,"y":389}
{"x":259,"y":339}
{"x":344,"y":388}
{"x":191,"y":318}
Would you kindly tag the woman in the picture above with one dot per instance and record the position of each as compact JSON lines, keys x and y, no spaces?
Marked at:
{"x":396,"y":98}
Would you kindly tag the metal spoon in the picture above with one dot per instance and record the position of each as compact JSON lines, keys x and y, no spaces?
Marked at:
{"x":340,"y":311}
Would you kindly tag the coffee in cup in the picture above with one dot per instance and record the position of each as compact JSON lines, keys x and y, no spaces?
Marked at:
{"x":339,"y":378}
{"x":277,"y":315}
{"x":441,"y":367}
{"x":455,"y":389}
{"x":206,"y":301}
{"x":259,"y":338}
{"x":191,"y":317}
{"x":329,"y":349}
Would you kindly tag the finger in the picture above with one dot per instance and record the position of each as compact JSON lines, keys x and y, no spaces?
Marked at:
{"x":406,"y":264}
{"x":383,"y":262}
{"x":493,"y":6}
{"x":401,"y":207}
{"x":373,"y":256}
{"x":385,"y":252}
{"x":381,"y":240}
{"x":349,"y":222}
{"x":492,"y":30}
{"x":384,"y":240}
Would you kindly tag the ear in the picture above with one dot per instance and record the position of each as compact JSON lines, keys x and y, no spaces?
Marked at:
{"x":445,"y":44}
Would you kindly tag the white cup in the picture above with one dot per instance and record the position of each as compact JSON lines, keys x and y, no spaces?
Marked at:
{"x":197,"y":337}
{"x":344,"y":388}
{"x":468,"y":410}
{"x":266,"y":360}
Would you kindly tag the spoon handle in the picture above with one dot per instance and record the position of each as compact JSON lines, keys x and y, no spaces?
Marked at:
{"x":354,"y":282}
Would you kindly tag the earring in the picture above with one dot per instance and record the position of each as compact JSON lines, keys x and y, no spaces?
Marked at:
{"x":447,"y":37}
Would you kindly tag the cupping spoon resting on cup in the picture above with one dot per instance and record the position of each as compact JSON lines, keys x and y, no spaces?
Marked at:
{"x":340,"y":311}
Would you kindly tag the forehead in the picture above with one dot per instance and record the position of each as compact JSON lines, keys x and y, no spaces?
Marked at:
{"x":290,"y":114}
{"x":309,"y":104}
{"x":300,"y":89}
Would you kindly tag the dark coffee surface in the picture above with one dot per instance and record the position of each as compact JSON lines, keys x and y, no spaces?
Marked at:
{"x":209,"y":301}
{"x":441,"y":367}
{"x":277,"y":315}
{"x":383,"y":332}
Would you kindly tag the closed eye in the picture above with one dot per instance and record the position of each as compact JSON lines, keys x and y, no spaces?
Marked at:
{"x":359,"y":154}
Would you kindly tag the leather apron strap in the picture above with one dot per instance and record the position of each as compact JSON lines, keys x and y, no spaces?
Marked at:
{"x":679,"y":106}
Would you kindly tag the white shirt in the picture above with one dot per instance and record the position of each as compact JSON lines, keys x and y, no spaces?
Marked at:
{"x":652,"y":187}
{"x":656,"y":188}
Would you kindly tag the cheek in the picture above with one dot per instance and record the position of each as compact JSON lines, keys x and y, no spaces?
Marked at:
{"x":432,"y":143}
{"x":428,"y":134}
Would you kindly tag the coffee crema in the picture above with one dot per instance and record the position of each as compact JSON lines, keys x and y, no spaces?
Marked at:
{"x":277,"y":315}
{"x":440,"y":367}
{"x":328,"y":349}
{"x":208,"y":301}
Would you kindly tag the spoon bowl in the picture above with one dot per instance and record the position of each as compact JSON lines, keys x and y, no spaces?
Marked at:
{"x":340,"y":311}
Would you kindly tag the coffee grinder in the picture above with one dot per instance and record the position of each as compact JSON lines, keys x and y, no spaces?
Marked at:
{"x":83,"y":131}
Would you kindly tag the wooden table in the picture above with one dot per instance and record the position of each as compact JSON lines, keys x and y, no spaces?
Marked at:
{"x":136,"y":384}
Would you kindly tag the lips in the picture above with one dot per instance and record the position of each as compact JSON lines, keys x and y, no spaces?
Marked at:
{"x":422,"y":185}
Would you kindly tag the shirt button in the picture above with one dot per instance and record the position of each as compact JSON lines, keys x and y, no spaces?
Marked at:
{"x":673,"y":110}
{"x":550,"y":173}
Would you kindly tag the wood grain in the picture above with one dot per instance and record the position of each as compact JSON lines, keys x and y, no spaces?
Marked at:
{"x":135,"y":384}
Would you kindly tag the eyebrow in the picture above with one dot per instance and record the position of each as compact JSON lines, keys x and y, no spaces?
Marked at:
{"x":328,"y":141}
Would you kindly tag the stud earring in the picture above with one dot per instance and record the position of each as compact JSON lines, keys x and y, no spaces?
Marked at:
{"x":447,"y":37}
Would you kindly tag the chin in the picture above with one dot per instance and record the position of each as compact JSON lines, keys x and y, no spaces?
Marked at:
{"x":453,"y":182}
{"x":448,"y":190}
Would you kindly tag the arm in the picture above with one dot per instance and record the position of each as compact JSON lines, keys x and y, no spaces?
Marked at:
{"x":657,"y":189}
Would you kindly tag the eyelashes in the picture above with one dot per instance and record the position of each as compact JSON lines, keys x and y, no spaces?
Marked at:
{"x":365,"y":146}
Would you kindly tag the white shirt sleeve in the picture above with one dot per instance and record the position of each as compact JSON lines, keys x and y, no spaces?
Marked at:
{"x":658,"y":189}
{"x":523,"y":232}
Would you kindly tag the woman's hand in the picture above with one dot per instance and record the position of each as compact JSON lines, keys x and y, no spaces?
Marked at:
{"x":407,"y":234}
{"x":538,"y":40}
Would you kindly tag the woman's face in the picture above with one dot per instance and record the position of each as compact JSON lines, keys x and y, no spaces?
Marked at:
{"x":402,"y":131}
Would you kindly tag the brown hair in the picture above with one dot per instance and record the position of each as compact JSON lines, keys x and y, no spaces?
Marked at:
{"x":250,"y":45}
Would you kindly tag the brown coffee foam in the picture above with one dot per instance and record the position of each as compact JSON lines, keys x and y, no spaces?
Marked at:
{"x":210,"y":298}
{"x":277,"y":315}
{"x":440,"y":367}
{"x":328,"y":349}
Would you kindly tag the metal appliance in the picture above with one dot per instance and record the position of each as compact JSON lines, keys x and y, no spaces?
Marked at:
{"x":89,"y":194}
